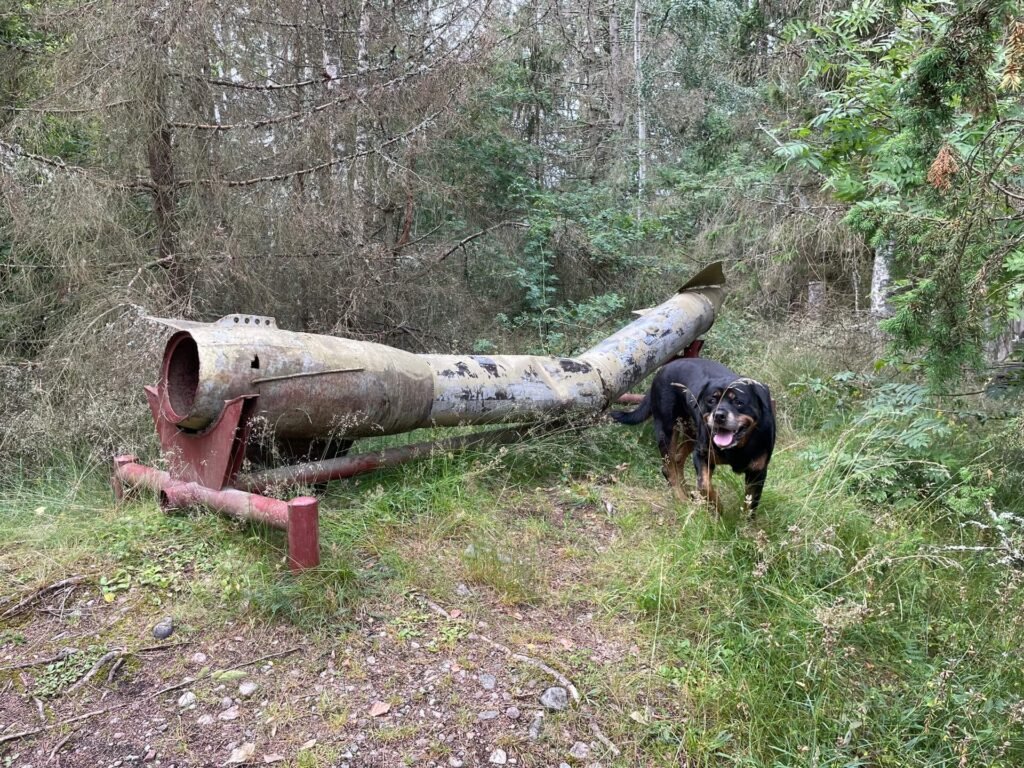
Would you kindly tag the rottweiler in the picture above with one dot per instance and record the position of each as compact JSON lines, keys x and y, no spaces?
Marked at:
{"x":702,"y":408}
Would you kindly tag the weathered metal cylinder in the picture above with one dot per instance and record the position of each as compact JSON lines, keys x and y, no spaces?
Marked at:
{"x":313,"y":386}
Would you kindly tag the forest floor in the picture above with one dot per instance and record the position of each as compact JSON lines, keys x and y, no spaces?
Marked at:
{"x":868,"y":616}
{"x":399,"y":680}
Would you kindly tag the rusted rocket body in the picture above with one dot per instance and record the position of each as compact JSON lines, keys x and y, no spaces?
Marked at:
{"x":218,"y":378}
{"x":311,"y":386}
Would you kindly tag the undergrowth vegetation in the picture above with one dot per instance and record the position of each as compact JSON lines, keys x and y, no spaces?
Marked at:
{"x":871,"y":615}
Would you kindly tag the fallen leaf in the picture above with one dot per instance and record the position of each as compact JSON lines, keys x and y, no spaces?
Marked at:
{"x":308,"y":745}
{"x":455,"y":613}
{"x":638,"y":717}
{"x":273,"y":758}
{"x":242,"y":754}
{"x":379,"y":708}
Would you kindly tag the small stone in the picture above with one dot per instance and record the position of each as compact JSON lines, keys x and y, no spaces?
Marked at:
{"x":535,"y":725}
{"x":247,"y":689}
{"x":164,"y":628}
{"x":205,"y":720}
{"x":488,"y":681}
{"x":149,"y":756}
{"x":512,"y":713}
{"x":555,"y":698}
{"x":463,"y":591}
{"x":242,"y":754}
{"x":229,"y":714}
{"x":580,"y":751}
{"x":198,"y":658}
{"x":498,"y":757}
{"x":564,"y":765}
{"x":487,"y":714}
{"x":186,"y":700}
{"x":454,"y":762}
{"x":227,"y":702}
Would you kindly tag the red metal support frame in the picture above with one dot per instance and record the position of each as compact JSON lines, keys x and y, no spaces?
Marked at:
{"x":211,"y":457}
{"x":299,"y":517}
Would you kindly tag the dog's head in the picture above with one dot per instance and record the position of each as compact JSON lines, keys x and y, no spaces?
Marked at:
{"x":735,"y":410}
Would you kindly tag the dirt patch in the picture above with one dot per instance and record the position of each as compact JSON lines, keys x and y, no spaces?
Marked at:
{"x":401,"y":686}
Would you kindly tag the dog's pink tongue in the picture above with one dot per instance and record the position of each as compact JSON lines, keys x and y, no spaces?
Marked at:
{"x":722,"y":439}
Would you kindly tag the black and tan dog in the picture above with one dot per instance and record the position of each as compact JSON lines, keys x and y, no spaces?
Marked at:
{"x":700,"y":407}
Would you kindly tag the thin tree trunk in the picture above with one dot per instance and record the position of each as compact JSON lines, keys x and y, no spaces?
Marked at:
{"x":360,"y":165}
{"x":881,"y":279}
{"x":160,"y":159}
{"x":641,"y":121}
{"x":615,"y":100}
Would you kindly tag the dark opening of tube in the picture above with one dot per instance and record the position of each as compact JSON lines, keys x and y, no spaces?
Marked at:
{"x":181,"y":375}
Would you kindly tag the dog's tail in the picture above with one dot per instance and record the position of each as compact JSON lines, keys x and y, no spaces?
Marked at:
{"x":640,"y":414}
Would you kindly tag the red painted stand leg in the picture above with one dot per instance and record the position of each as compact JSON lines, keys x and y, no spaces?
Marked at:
{"x":303,"y":533}
{"x":299,"y":517}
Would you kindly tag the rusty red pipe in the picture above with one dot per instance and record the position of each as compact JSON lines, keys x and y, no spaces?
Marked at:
{"x":350,"y":466}
{"x":299,"y":517}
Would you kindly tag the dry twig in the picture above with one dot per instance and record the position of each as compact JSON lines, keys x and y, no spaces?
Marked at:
{"x":521,"y":657}
{"x":102,"y":661}
{"x":187,"y":681}
{"x":61,"y":743}
{"x":39,"y":593}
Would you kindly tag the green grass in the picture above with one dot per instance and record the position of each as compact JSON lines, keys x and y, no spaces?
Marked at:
{"x":855,"y":623}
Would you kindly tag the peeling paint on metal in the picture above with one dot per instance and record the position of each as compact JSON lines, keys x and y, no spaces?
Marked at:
{"x":314,"y":386}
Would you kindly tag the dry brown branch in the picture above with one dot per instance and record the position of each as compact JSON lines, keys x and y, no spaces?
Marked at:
{"x":73,"y":110}
{"x":114,"y":668}
{"x":323,"y":80}
{"x":256,"y":124}
{"x":39,"y":593}
{"x":470,"y":238}
{"x":87,"y":173}
{"x":61,"y":743}
{"x":168,"y":689}
{"x":102,"y":661}
{"x":378,"y":149}
{"x":53,"y":162}
{"x":63,"y":654}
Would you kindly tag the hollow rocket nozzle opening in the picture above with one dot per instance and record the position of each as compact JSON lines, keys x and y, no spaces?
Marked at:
{"x":181,"y":375}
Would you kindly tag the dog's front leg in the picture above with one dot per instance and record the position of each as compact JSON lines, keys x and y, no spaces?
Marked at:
{"x":679,"y":451}
{"x":752,"y":488}
{"x":704,"y":469}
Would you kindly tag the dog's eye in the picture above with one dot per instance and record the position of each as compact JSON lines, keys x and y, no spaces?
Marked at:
{"x":738,"y":403}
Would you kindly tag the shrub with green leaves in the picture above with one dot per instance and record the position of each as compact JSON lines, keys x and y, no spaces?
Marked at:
{"x":918,"y":123}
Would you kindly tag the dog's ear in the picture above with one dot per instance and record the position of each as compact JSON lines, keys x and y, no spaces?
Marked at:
{"x":764,"y":399}
{"x":707,"y":390}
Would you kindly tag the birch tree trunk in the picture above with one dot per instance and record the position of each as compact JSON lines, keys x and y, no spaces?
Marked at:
{"x":881,"y":279}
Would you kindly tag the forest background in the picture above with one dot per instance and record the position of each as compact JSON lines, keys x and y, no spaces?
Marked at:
{"x":472,"y":176}
{"x":518,"y":176}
